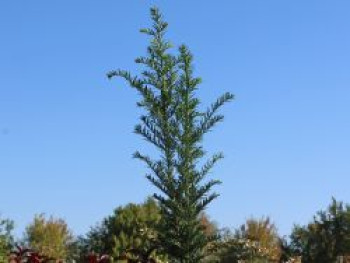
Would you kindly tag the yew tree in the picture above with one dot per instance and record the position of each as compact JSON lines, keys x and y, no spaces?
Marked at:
{"x":175,"y":122}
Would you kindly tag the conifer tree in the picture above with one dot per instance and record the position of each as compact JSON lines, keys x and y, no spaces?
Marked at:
{"x":174,"y":123}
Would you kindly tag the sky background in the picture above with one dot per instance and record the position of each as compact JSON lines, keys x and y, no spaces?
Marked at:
{"x":66,"y":135}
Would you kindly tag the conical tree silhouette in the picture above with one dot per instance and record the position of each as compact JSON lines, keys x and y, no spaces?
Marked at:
{"x":175,"y":125}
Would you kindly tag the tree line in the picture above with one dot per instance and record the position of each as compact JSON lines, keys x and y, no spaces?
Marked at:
{"x":130,"y":233}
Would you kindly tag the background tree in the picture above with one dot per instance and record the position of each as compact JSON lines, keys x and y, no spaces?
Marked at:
{"x":175,"y":125}
{"x":326,"y":237}
{"x":130,"y":227}
{"x":50,"y":237}
{"x":233,"y":250}
{"x":210,"y":228}
{"x":6,"y":238}
{"x":264,"y":233}
{"x":255,"y":241}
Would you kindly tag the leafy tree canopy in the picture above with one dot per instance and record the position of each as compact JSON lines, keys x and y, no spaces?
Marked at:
{"x":129,"y":227}
{"x":255,"y":241}
{"x":326,"y":237}
{"x":49,"y":236}
{"x":264,"y":234}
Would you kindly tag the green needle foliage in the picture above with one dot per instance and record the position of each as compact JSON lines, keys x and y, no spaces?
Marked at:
{"x":175,"y":125}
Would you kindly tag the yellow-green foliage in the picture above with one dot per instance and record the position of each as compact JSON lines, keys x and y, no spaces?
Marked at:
{"x":6,"y":227}
{"x":51,"y":237}
{"x":264,"y":233}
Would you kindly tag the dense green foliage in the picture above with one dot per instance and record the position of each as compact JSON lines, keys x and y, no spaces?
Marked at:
{"x":175,"y":125}
{"x":131,"y":232}
{"x":326,"y":237}
{"x":129,"y":227}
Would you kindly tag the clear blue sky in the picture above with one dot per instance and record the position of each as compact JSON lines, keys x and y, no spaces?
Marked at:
{"x":66,"y":131}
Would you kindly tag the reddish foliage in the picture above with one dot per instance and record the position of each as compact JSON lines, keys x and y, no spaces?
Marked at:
{"x":95,"y":258}
{"x":27,"y":255}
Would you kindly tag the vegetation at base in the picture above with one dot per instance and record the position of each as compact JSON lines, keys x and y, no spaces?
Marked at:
{"x":129,"y":233}
{"x":131,"y":230}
